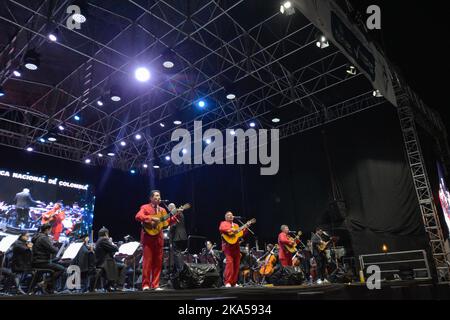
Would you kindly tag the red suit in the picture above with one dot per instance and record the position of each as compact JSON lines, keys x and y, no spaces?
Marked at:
{"x":232,"y":253}
{"x":56,"y":221}
{"x":152,"y":247}
{"x":284,"y":255}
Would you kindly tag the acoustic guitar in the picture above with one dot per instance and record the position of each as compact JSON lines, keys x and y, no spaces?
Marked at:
{"x":239,"y":232}
{"x":51,"y":217}
{"x":323,"y":245}
{"x":293,"y":248}
{"x":154,"y":227}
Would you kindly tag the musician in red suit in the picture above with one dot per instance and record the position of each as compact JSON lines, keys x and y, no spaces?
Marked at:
{"x":283,"y":239}
{"x":232,"y":251}
{"x":152,"y":244}
{"x":55,"y":217}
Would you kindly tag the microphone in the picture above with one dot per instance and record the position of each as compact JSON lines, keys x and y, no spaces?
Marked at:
{"x":239,"y":217}
{"x":165,"y":201}
{"x":325,"y":233}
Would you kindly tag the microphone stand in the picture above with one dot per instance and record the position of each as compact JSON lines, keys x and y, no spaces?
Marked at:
{"x":169,"y":262}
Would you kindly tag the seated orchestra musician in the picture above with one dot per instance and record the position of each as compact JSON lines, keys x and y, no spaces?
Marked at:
{"x":21,"y":258}
{"x":43,"y":252}
{"x":85,"y":259}
{"x":104,"y":259}
{"x":248,"y":263}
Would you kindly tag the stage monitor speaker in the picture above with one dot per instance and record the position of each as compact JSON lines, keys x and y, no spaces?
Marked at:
{"x":287,"y":276}
{"x":197,"y":275}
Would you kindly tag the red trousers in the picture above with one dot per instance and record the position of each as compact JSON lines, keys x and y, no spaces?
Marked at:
{"x":233,"y":256}
{"x":152,"y":260}
{"x":286,"y":259}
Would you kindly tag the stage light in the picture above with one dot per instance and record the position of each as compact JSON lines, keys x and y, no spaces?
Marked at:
{"x":287,"y":8}
{"x":53,"y":35}
{"x":52,"y":138}
{"x":322,"y":42}
{"x":100,"y":155}
{"x":77,"y":117}
{"x":42,"y":140}
{"x":111,"y":154}
{"x":17,"y":73}
{"x":168,"y":58}
{"x":162,"y":125}
{"x":351,"y":70}
{"x":145,"y":166}
{"x":384,"y":248}
{"x":142,"y":74}
{"x":276,"y":120}
{"x":231,"y":96}
{"x":132,"y":171}
{"x":232,"y":132}
{"x":123,"y":143}
{"x":138,"y":136}
{"x":208,"y":141}
{"x":2,"y":92}
{"x":29,"y":149}
{"x":155,"y":166}
{"x":61,"y":127}
{"x":177,"y":122}
{"x":100,"y":103}
{"x":32,"y":60}
{"x":252,"y":124}
{"x":115,"y":93}
{"x":377,"y":94}
{"x":184,"y":151}
{"x":81,"y":16}
{"x":87,"y":161}
{"x":167,"y":158}
{"x":201,"y":104}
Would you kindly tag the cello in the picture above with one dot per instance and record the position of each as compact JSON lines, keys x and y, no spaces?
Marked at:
{"x":268,"y":267}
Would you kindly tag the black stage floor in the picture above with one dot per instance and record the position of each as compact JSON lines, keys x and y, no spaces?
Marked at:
{"x":397,"y":290}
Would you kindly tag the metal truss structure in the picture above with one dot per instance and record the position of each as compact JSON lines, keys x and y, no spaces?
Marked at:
{"x":269,"y":60}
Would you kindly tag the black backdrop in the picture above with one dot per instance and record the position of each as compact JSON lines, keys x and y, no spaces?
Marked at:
{"x":369,"y":163}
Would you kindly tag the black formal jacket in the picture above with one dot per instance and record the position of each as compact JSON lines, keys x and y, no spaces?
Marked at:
{"x":43,"y":250}
{"x":178,"y":230}
{"x":21,"y":257}
{"x":104,"y":249}
{"x":24,"y":200}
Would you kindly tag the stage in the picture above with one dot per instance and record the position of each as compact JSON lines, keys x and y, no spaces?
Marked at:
{"x":395,"y":290}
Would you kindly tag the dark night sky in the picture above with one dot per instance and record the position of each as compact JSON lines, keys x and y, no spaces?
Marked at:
{"x":414,"y":37}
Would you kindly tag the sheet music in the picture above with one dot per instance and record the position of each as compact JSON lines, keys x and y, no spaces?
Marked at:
{"x":72,"y":251}
{"x":7,"y":242}
{"x":128,"y":248}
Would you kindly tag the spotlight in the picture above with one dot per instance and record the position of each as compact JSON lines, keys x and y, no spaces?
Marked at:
{"x":155,"y":166}
{"x":115,"y":94}
{"x":287,"y":8}
{"x":77,"y":118}
{"x":53,"y":35}
{"x":145,"y":166}
{"x":177,"y":122}
{"x":351,"y":70}
{"x":111,"y":154}
{"x":123,"y":143}
{"x":162,"y":125}
{"x":80,"y":17}
{"x":384,"y":248}
{"x":138,"y":136}
{"x":61,"y":127}
{"x":322,"y":42}
{"x":52,"y":138}
{"x":232,"y":132}
{"x":87,"y":161}
{"x":2,"y":92}
{"x":252,"y":124}
{"x":230,"y":90}
{"x":201,"y":104}
{"x":377,"y":94}
{"x":100,"y":103}
{"x":17,"y":73}
{"x":142,"y":74}
{"x":132,"y":171}
{"x":167,"y":158}
{"x":231,"y":96}
{"x":168,"y":59}
{"x":100,"y":155}
{"x":208,"y":141}
{"x":32,"y":60}
{"x":276,"y":120}
{"x":29,"y":149}
{"x":184,"y":151}
{"x":42,"y":140}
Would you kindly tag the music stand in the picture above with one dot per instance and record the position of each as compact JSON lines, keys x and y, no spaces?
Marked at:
{"x":129,"y":250}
